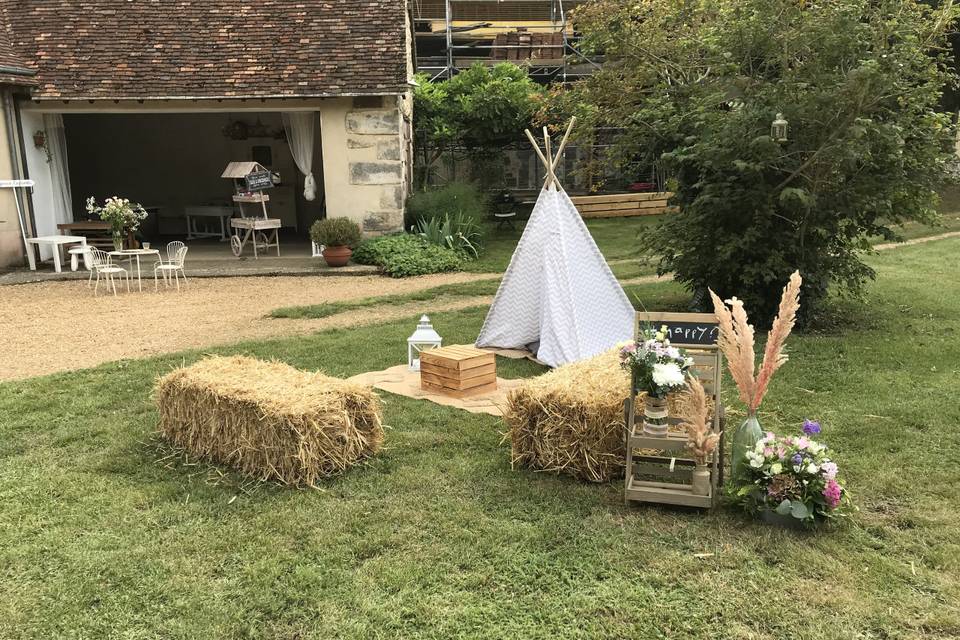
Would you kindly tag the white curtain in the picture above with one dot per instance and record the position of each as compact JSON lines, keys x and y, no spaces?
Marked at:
{"x":301,"y":130}
{"x":59,"y":169}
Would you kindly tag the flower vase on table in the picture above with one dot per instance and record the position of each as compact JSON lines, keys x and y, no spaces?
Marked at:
{"x":124,"y":217}
{"x":656,"y":369}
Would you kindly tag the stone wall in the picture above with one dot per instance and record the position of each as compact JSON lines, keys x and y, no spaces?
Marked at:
{"x":365,"y":172}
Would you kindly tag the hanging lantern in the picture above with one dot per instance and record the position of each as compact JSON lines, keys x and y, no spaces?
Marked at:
{"x":423,"y":339}
{"x":778,"y":130}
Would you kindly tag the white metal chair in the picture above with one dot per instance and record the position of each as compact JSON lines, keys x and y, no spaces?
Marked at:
{"x":176,"y":255}
{"x":101,"y":264}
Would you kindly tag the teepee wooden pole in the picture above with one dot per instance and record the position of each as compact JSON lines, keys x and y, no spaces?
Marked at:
{"x":536,"y":147}
{"x":551,"y":178}
{"x":563,"y":145}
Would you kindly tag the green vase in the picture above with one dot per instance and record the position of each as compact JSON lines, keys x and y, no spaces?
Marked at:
{"x":744,"y":439}
{"x":117,"y":241}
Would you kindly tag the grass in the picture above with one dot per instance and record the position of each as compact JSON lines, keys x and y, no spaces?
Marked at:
{"x":103,"y":535}
{"x":442,"y":292}
{"x":617,"y":239}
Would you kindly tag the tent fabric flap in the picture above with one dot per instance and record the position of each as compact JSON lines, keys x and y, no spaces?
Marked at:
{"x":558,"y":289}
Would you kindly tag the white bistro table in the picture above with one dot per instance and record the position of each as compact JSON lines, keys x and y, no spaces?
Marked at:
{"x":132,"y":254}
{"x":57,"y":243}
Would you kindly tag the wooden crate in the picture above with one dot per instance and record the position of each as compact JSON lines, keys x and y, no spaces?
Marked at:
{"x":619,"y":205}
{"x":656,"y":467}
{"x":458,"y":371}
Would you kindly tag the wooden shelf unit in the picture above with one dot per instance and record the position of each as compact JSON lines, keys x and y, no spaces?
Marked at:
{"x":658,"y":468}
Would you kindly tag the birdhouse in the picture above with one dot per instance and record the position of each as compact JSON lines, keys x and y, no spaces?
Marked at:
{"x":423,"y":339}
{"x":778,"y":130}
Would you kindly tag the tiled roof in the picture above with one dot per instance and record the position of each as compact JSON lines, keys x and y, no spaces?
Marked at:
{"x":139,"y":49}
{"x":13,"y":69}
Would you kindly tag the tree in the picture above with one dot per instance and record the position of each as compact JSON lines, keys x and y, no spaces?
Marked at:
{"x":696,"y":85}
{"x":481,"y":110}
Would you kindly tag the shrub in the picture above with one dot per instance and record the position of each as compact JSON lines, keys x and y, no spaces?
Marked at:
{"x":375,"y":251}
{"x":697,"y":86}
{"x":457,"y":232}
{"x":428,"y":259}
{"x":336,"y":232}
{"x":455,"y":198}
{"x":403,"y":255}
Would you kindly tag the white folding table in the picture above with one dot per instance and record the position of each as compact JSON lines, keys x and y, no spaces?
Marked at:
{"x":57,"y":243}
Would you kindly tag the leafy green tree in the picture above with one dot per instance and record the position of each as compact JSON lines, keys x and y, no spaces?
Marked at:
{"x":480,"y":110}
{"x":695,"y":85}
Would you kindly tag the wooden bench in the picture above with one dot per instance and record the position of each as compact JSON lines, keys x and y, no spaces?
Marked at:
{"x":97,"y":233}
{"x":622,"y":205}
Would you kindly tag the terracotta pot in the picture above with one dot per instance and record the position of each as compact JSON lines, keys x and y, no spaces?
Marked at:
{"x":337,"y":256}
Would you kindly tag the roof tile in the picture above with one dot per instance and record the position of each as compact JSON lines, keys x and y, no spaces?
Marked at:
{"x":118,"y":49}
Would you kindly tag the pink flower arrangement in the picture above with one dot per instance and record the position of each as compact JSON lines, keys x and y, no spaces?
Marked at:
{"x":792,"y":476}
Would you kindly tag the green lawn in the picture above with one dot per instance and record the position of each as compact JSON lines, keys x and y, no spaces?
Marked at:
{"x":617,"y":239}
{"x":102,"y":534}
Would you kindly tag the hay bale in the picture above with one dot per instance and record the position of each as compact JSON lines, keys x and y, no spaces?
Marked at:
{"x":571,"y":420}
{"x":268,"y":420}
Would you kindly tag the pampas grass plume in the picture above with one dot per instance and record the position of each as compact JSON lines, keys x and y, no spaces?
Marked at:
{"x":736,"y":341}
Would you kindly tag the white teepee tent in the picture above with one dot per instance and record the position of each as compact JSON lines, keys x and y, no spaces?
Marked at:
{"x":558,"y":297}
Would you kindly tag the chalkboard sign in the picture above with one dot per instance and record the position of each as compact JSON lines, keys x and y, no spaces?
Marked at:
{"x":700,"y":329}
{"x":259,"y":180}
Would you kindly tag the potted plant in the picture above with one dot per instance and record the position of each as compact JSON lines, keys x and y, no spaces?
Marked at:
{"x":701,"y":440}
{"x":656,"y":369}
{"x":792,"y":481}
{"x":124,"y":216}
{"x":337,"y":236}
{"x":736,"y":342}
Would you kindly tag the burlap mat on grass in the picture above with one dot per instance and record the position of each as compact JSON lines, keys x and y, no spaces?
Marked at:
{"x":403,"y":382}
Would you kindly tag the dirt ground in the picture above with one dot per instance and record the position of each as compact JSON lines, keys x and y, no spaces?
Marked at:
{"x":58,"y":326}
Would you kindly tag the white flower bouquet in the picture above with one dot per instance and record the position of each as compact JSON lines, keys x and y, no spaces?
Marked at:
{"x":122,"y":214}
{"x":657,"y":367}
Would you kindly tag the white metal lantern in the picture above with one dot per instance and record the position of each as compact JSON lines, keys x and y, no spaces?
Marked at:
{"x":778,"y":130}
{"x":423,"y":339}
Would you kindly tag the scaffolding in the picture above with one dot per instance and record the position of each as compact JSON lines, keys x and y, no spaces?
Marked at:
{"x":451,"y":35}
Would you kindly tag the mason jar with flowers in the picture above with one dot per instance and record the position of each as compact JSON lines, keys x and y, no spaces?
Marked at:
{"x":793,"y":480}
{"x":124,"y":216}
{"x":657,"y":369}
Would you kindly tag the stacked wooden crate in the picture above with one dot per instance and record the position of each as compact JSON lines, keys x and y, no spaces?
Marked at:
{"x":621,"y":205}
{"x":458,"y":371}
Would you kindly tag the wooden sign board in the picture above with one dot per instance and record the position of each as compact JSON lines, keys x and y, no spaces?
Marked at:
{"x":683,"y":329}
{"x":259,"y":180}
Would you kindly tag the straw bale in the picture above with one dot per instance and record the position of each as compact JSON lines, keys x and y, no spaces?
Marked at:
{"x":269,"y":420}
{"x":571,"y":420}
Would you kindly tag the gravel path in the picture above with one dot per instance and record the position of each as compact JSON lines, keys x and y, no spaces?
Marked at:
{"x":59,"y":326}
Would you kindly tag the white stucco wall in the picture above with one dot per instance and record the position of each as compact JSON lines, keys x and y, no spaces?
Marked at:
{"x":11,"y":244}
{"x":38,"y":170}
